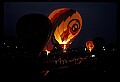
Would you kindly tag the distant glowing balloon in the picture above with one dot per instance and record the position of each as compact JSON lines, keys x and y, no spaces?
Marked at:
{"x":89,"y":45}
{"x":67,"y":23}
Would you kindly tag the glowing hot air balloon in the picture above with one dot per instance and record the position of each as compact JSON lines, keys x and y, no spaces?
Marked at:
{"x":89,"y":45}
{"x":67,"y":23}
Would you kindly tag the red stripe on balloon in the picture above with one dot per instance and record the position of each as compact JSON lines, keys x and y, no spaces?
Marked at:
{"x":57,"y":14}
{"x":64,"y":35}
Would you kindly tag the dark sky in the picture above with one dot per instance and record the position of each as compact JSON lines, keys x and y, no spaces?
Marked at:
{"x":99,"y":18}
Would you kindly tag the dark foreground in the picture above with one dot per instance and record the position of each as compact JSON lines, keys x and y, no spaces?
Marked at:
{"x":29,"y":68}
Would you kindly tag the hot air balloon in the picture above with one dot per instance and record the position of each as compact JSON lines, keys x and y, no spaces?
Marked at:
{"x":67,"y":23}
{"x":34,"y":30}
{"x":89,"y":45}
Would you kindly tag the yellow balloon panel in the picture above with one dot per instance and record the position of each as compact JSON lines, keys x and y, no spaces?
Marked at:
{"x":67,"y":24}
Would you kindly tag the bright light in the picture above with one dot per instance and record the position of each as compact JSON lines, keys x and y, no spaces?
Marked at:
{"x":4,"y":43}
{"x":90,"y":50}
{"x":92,"y":55}
{"x":103,"y":47}
{"x":64,"y":46}
{"x":85,"y":49}
{"x":64,"y":42}
{"x":64,"y":50}
{"x":47,"y":52}
{"x":16,"y":46}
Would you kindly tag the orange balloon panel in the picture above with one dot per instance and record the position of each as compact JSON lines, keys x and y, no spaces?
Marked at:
{"x":89,"y":45}
{"x":67,"y":24}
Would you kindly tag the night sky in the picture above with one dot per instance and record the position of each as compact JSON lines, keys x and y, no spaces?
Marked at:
{"x":99,"y":18}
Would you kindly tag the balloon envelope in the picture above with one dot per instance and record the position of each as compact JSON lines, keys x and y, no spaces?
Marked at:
{"x":67,"y":23}
{"x":89,"y":45}
{"x":34,"y":30}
